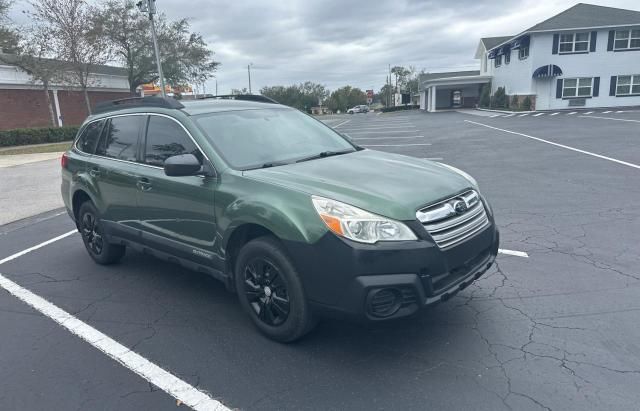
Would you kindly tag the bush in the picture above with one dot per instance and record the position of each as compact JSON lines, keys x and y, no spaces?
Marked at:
{"x":485,"y":95}
{"x":514,"y":102}
{"x":398,"y":108}
{"x":526,"y":104}
{"x":499,"y":99}
{"x":24,"y":136}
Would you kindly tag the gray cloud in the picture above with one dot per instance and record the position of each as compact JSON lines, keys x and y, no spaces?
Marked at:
{"x":338,"y":42}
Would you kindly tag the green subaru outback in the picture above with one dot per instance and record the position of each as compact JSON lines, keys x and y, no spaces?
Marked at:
{"x":294,"y":217}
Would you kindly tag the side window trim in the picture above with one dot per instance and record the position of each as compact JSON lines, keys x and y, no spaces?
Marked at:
{"x":81,"y":134}
{"x":140,"y":142}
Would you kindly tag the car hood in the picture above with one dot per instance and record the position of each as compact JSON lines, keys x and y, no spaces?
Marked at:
{"x":391,"y":185}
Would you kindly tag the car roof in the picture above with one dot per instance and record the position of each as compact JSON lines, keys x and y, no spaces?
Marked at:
{"x":195,"y":107}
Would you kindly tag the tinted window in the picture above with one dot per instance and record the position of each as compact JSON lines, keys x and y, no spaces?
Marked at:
{"x":251,"y":138}
{"x":120,"y":139}
{"x":166,"y":138}
{"x":90,"y":136}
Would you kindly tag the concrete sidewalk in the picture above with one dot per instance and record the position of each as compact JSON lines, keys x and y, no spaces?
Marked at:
{"x":29,"y":185}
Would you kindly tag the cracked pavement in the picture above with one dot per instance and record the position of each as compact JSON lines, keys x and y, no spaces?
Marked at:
{"x":556,"y":331}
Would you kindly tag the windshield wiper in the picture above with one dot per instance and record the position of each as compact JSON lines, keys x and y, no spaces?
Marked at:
{"x":324,"y":154}
{"x":268,"y":165}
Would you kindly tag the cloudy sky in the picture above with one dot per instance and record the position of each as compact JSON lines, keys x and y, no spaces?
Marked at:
{"x":338,"y":42}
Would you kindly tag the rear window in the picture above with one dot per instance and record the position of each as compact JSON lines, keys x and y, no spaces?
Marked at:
{"x":90,"y":136}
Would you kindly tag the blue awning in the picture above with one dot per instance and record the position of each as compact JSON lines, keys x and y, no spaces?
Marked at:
{"x":550,"y":70}
{"x":521,"y":42}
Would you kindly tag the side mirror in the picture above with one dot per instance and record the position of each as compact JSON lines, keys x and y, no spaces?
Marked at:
{"x":182,"y":165}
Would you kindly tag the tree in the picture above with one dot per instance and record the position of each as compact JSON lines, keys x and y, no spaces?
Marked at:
{"x":302,"y":96}
{"x":31,"y":55}
{"x":345,"y":97}
{"x":185,"y":56}
{"x":235,"y":91}
{"x":385,"y":93}
{"x":74,"y":38}
{"x":401,"y":75}
{"x":8,"y":36}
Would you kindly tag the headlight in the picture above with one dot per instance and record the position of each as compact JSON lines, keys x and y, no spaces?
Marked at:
{"x":462,"y":173}
{"x":359,"y":225}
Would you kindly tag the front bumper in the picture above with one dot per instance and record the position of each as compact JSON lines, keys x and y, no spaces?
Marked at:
{"x":343,"y":278}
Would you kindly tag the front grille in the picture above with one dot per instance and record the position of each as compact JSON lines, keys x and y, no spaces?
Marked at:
{"x":451,"y":222}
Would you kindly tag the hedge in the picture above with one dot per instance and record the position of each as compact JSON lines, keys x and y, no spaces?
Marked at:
{"x":398,"y":108}
{"x":24,"y":136}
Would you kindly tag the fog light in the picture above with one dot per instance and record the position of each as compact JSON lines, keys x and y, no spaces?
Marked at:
{"x":384,"y":302}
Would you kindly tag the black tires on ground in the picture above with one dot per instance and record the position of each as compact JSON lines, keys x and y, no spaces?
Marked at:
{"x":270,"y":291}
{"x":90,"y":226}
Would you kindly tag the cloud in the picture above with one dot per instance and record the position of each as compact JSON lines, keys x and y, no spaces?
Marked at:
{"x":338,"y":42}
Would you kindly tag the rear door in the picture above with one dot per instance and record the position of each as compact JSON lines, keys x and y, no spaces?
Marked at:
{"x":176,"y":213}
{"x":116,"y":173}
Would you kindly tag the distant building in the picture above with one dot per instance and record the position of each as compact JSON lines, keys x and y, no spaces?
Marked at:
{"x":23,"y":102}
{"x":586,"y":56}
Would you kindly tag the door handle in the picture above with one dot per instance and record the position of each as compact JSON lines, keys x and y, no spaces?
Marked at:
{"x":94,"y":172}
{"x":144,"y":184}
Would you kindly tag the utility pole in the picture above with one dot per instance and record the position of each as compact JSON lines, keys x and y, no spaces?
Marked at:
{"x":249,"y":73}
{"x":389,"y":88}
{"x":216,"y":87}
{"x":149,"y":6}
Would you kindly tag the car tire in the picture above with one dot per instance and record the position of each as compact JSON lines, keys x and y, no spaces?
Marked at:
{"x":92,"y":231}
{"x":270,"y":291}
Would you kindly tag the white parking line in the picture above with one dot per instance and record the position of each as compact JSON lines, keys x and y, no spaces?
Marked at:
{"x":522,"y":115}
{"x":395,"y":145}
{"x":514,"y":253}
{"x":612,"y":119}
{"x":538,"y":115}
{"x":386,"y":138}
{"x":572,"y":113}
{"x":606,"y":112}
{"x":495,"y":115}
{"x":378,"y":128}
{"x":382,"y":132}
{"x":169,"y":383}
{"x":344,"y":122}
{"x":554,"y":114}
{"x":558,"y":145}
{"x":589,"y":112}
{"x":620,"y":111}
{"x":509,"y":115}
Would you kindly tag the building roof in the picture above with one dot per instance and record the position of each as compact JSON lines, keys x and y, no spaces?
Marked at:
{"x":11,"y":59}
{"x":491,"y":42}
{"x":584,"y":15}
{"x":448,"y":74}
{"x":580,"y":16}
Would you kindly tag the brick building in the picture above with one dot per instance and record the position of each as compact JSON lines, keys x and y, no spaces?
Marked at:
{"x":23,"y":102}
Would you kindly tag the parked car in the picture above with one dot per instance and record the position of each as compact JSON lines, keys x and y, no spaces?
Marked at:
{"x":358,"y":109}
{"x":295,"y":218}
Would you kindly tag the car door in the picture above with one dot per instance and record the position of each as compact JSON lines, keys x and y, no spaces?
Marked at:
{"x":115,"y":174}
{"x":176,"y":213}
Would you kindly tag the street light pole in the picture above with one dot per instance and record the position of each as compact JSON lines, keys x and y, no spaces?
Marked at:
{"x":149,"y":6}
{"x":249,"y":73}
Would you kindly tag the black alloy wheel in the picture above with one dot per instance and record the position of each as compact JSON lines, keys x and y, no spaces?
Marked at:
{"x":266,"y":291}
{"x":90,"y":229}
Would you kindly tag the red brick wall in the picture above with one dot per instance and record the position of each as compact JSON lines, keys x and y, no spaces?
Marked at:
{"x":23,"y":108}
{"x":74,"y":108}
{"x":28,"y":108}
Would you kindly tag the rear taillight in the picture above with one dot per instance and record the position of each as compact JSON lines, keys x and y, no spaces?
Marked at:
{"x":64,"y":160}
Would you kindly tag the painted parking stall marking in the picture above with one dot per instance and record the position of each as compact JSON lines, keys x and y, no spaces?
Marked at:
{"x":625,"y":163}
{"x":612,"y":119}
{"x":167,"y":382}
{"x":513,"y":253}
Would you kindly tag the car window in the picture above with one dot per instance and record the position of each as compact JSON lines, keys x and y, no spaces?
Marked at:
{"x":166,"y":138}
{"x":254,"y":138}
{"x":90,"y":136}
{"x":120,"y":138}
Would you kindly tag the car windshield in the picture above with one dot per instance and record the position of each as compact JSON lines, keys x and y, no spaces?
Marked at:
{"x":249,"y":139}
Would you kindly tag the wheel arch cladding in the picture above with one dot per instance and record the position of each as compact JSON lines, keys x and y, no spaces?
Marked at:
{"x":240,"y":236}
{"x":79,"y":197}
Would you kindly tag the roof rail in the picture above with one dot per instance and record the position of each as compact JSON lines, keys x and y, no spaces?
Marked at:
{"x":245,"y":97}
{"x":132,"y":102}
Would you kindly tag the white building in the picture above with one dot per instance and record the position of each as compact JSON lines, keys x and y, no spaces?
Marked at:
{"x":586,"y":56}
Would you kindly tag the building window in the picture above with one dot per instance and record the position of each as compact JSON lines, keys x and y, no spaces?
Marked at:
{"x":523,"y":52}
{"x":498,"y":61}
{"x":628,"y":85}
{"x":507,"y":57}
{"x":577,"y":87}
{"x":627,"y":39}
{"x":574,"y":43}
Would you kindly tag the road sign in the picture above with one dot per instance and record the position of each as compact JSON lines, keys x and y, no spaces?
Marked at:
{"x":370,"y":94}
{"x":369,"y":100}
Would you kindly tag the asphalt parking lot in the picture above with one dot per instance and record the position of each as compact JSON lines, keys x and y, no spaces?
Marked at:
{"x":554,"y":325}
